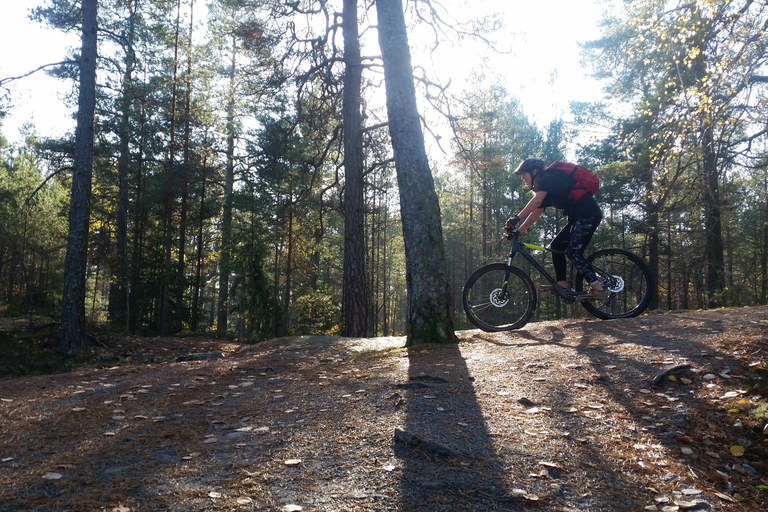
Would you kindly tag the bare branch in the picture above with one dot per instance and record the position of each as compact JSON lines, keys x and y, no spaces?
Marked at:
{"x":6,"y":80}
{"x":46,"y":180}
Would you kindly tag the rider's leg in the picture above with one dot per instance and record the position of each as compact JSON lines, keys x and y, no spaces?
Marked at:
{"x":560,"y":243}
{"x":581,"y":234}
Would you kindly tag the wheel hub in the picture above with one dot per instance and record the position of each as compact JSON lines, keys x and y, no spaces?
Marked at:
{"x":497,"y":298}
{"x":615,"y":284}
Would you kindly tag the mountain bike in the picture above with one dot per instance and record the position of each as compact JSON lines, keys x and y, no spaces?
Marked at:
{"x":501,"y":296}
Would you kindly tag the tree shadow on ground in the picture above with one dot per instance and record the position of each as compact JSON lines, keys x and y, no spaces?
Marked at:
{"x":448,"y":455}
{"x":625,"y":406}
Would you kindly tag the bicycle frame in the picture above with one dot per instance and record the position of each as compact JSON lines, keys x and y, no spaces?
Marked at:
{"x":519,"y":247}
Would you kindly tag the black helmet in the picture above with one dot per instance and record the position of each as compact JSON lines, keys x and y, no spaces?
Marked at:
{"x":529,"y":164}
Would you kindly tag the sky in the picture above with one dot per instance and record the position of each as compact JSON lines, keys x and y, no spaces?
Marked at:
{"x":544,"y":39}
{"x":26,"y":45}
{"x":543,"y":36}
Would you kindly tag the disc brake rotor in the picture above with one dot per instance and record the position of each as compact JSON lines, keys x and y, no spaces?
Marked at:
{"x":496,"y":298}
{"x":615,"y":284}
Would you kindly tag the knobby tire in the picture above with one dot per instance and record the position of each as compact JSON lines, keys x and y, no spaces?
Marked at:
{"x":637,"y":285}
{"x":487,"y":309}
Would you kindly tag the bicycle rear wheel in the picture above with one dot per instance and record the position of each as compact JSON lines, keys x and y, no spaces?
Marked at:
{"x":494,"y":303}
{"x":628,"y":279}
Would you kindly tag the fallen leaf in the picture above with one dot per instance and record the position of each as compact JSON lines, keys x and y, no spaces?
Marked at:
{"x":292,"y":508}
{"x":389,"y":467}
{"x":214,"y":494}
{"x":685,"y":381}
{"x":52,"y":476}
{"x":244,"y":501}
{"x":737,"y":450}
{"x":525,"y":495}
{"x":293,"y":462}
{"x":725,"y":497}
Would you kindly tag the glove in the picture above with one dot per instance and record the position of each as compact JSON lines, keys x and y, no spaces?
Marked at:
{"x":512,"y":222}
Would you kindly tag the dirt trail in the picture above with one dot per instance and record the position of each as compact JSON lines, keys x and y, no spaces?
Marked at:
{"x":561,"y":416}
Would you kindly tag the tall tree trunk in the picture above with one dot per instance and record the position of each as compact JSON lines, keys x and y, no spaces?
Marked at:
{"x":385,"y":269}
{"x":165,"y":299}
{"x":138,"y":229}
{"x":118,"y":299}
{"x":354,"y":290}
{"x":712,"y":221}
{"x":653,"y":236}
{"x":764,"y":252}
{"x":429,"y":318}
{"x":181,"y":274}
{"x":73,"y":298}
{"x":198,"y":266}
{"x":283,"y":330}
{"x":226,"y":221}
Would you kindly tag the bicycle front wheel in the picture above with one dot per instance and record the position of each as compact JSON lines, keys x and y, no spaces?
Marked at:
{"x":495,"y":301}
{"x":628,"y":279}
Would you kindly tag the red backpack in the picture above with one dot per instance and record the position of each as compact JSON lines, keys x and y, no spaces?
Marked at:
{"x":586,"y":180}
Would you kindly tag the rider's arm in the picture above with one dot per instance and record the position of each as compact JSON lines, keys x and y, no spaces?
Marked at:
{"x":531,"y":219}
{"x":531,"y":209}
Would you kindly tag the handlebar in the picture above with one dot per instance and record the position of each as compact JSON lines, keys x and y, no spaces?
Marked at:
{"x":512,"y":233}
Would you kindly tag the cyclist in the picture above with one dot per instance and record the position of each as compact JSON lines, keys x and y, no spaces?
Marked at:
{"x":553,"y":189}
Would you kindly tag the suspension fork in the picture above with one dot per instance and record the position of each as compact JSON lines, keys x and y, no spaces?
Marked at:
{"x":510,"y":257}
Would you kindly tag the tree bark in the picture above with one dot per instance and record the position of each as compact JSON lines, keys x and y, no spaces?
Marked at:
{"x":764,"y":251}
{"x":73,"y":298}
{"x":712,"y":222}
{"x":652,"y":218}
{"x":118,"y":299}
{"x":226,"y":221}
{"x":165,"y":300}
{"x":199,"y":264}
{"x":355,"y":293}
{"x":181,"y":267}
{"x":429,"y":317}
{"x":138,"y":230}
